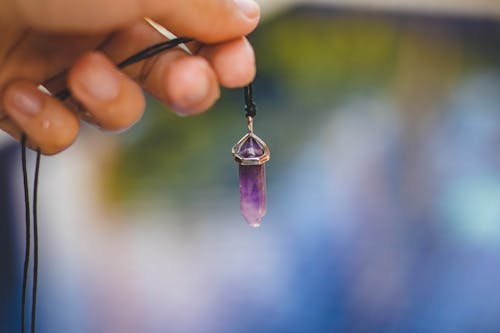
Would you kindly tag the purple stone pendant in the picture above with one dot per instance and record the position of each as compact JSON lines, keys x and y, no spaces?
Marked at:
{"x":251,"y":153}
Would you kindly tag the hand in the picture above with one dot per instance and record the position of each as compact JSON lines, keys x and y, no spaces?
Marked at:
{"x":76,"y":43}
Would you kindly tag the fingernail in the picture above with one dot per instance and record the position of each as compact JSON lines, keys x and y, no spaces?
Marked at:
{"x":250,"y":8}
{"x":180,"y":111}
{"x":24,"y":99}
{"x":100,"y":83}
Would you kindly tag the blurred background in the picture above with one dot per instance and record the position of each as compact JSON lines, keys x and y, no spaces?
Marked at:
{"x":383,"y":190}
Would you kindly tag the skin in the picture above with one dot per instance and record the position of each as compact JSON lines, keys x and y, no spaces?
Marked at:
{"x":76,"y":44}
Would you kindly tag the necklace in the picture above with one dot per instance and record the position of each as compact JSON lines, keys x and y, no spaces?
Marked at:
{"x":250,"y":152}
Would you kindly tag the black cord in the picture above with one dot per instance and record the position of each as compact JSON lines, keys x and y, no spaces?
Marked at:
{"x":153,"y":50}
{"x":28,"y":228}
{"x":28,"y":236}
{"x":250,"y":107}
{"x":35,"y":240}
{"x":63,"y":94}
{"x":139,"y":56}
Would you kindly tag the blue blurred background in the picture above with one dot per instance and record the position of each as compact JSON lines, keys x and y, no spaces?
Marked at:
{"x":383,"y":189}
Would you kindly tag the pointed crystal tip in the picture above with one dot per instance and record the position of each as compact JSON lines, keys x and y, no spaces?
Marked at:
{"x":254,"y":224}
{"x":251,"y":148}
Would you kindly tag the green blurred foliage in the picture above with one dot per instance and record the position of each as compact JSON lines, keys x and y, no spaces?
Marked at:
{"x":331,"y":56}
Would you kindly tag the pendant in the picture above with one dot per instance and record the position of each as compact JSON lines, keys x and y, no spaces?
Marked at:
{"x":251,"y":153}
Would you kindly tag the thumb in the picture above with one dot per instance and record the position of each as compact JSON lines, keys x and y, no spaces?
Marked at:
{"x":208,"y":21}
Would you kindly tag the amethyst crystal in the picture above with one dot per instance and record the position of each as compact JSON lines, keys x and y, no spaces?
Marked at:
{"x":253,"y":193}
{"x":252,"y":184}
{"x":250,"y":148}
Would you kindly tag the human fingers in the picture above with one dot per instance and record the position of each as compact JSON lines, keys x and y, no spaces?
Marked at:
{"x":233,"y":62}
{"x":113,"y":100}
{"x":188,"y":86}
{"x":186,"y":83}
{"x":207,"y":21}
{"x":45,"y":121}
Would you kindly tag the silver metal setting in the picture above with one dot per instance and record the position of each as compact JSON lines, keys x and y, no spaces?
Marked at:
{"x":259,"y":160}
{"x":250,"y":124}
